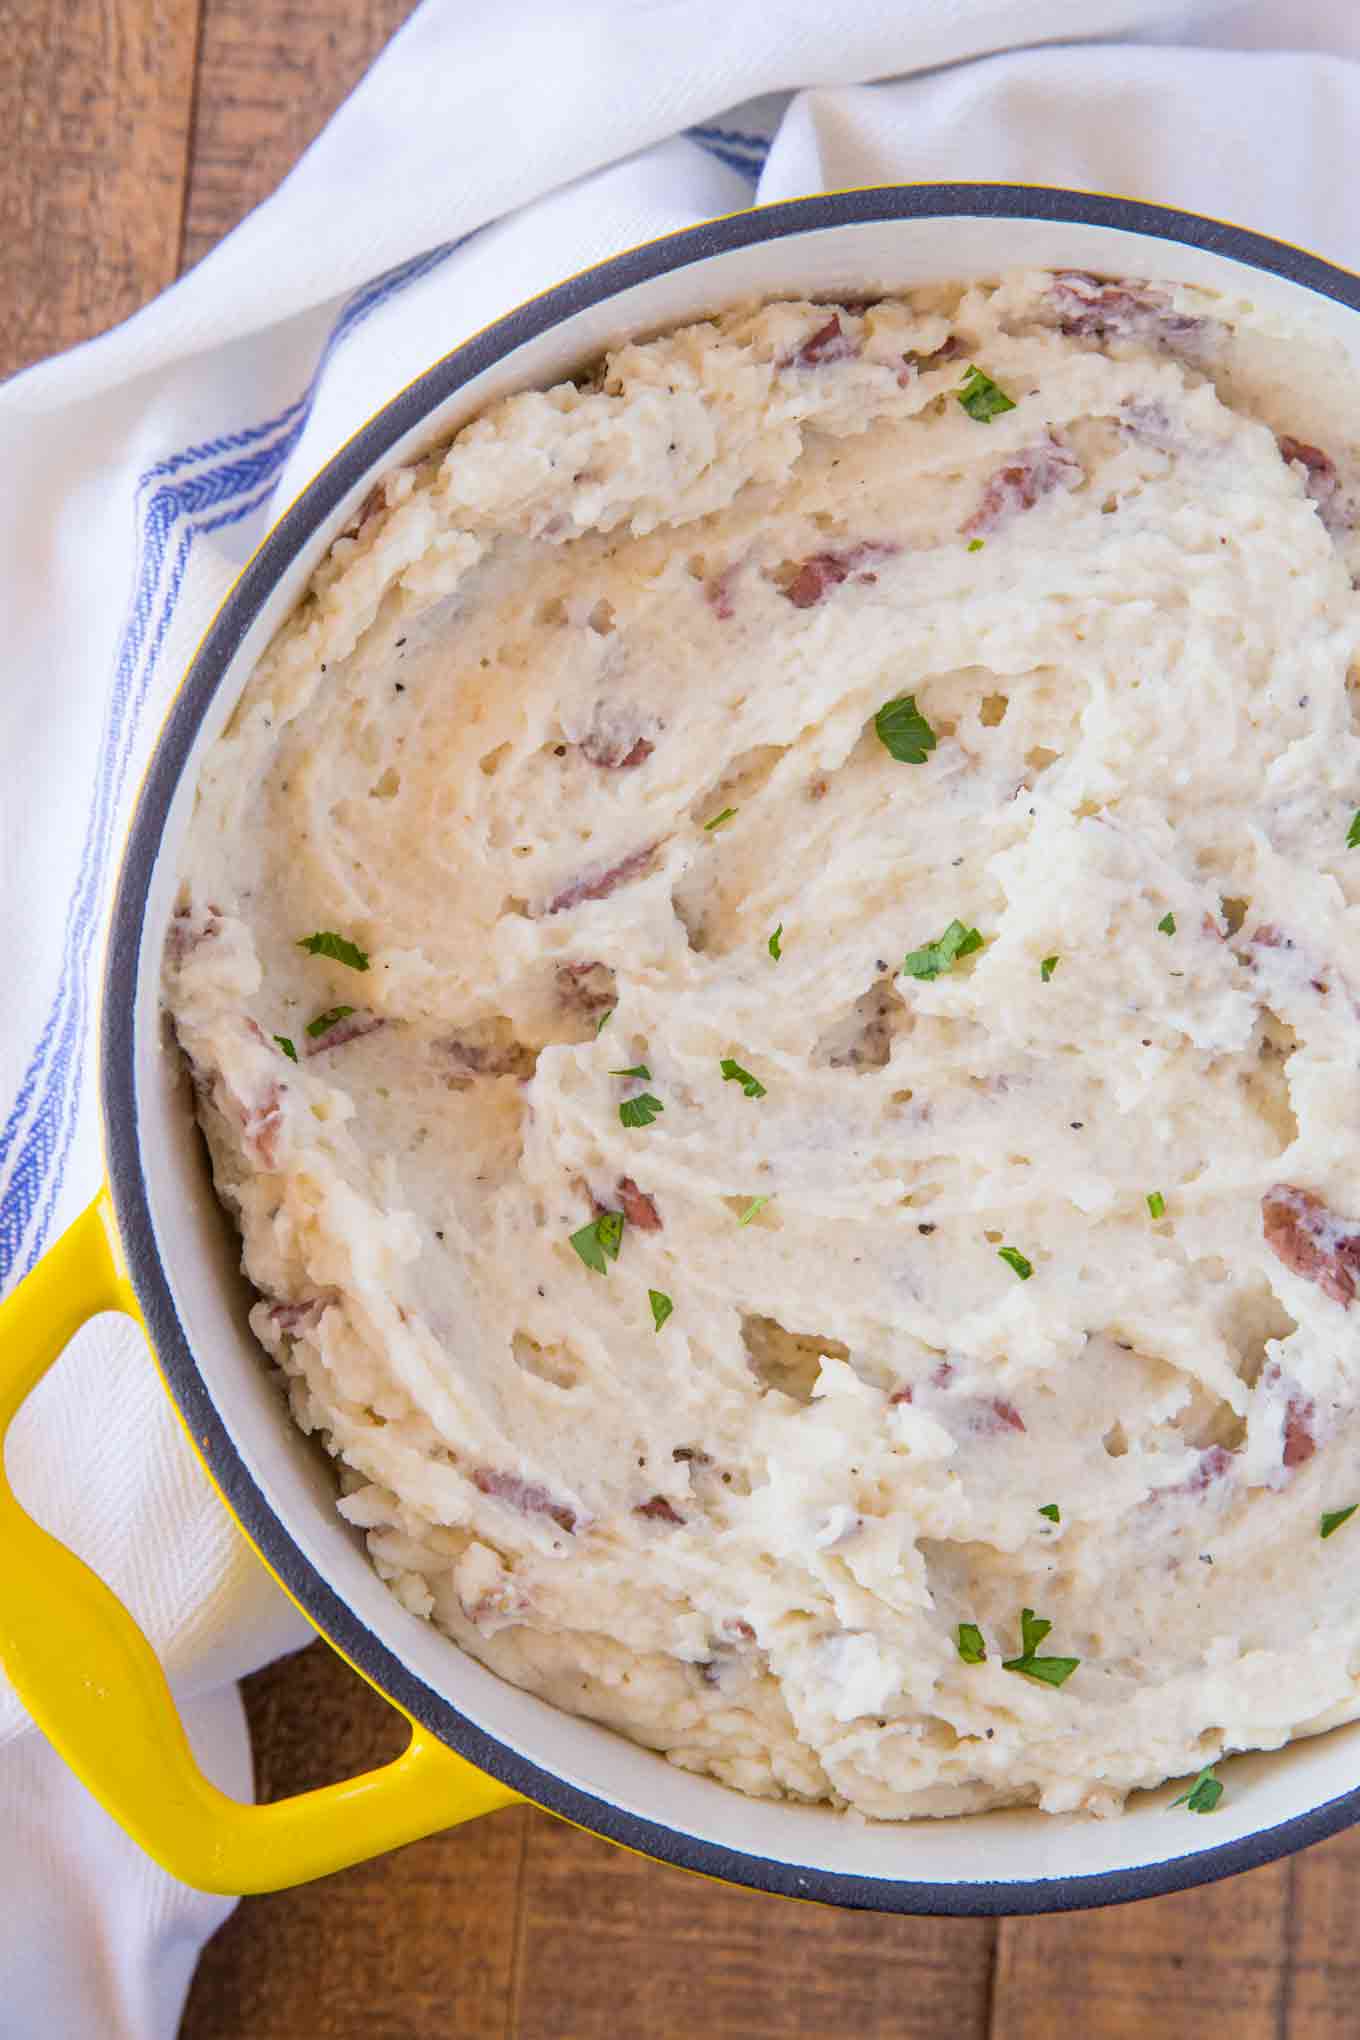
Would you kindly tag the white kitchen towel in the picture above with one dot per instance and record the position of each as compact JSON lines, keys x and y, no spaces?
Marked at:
{"x":496,"y":146}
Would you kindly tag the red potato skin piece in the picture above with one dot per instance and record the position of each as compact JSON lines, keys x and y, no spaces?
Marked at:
{"x":821,"y":572}
{"x":659,"y":1510}
{"x":1299,"y":1423}
{"x":1310,"y":1240}
{"x":1005,"y":1416}
{"x":260,"y":1126}
{"x":828,"y":343}
{"x":488,"y":1059}
{"x":1089,"y":308}
{"x":1214,"y":1464}
{"x":599,"y":885}
{"x":525,"y":1495}
{"x":914,"y":364}
{"x":612,"y":745}
{"x":291,"y":1317}
{"x":719,"y":593}
{"x":187,"y":930}
{"x":1300,"y":1440}
{"x":582,"y":987}
{"x":352,"y":1028}
{"x":637,"y":1207}
{"x":598,"y":748}
{"x":1323,"y":483}
{"x":983,"y":1416}
{"x":1035,"y":473}
{"x":1317,"y":462}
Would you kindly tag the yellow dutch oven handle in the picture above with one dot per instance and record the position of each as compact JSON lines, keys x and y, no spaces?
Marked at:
{"x":91,"y":1681}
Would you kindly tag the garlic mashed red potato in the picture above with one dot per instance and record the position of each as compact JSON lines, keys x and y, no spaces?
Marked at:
{"x":723,"y":1331}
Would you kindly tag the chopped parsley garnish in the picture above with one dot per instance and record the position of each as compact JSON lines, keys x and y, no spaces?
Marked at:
{"x":1048,"y":966}
{"x":324,"y":1022}
{"x":640,"y":1111}
{"x":661,"y":1306}
{"x":971,"y":1648}
{"x":756,"y":1204}
{"x":1050,"y":1671}
{"x":1353,"y":833}
{"x":1013,"y":1258}
{"x":326,"y":942}
{"x":718,"y":820}
{"x":1203,"y":1796}
{"x":1052,"y":1511}
{"x":604,"y":1020}
{"x":775,"y":945}
{"x":638,"y":1070}
{"x":598,"y":1242}
{"x":1156,"y":1204}
{"x":733,"y":1073}
{"x":286,"y":1045}
{"x":904,"y":732}
{"x":981,"y":398}
{"x":937,"y":957}
{"x":976,"y":544}
{"x":1167,"y":925}
{"x":1332,"y":1519}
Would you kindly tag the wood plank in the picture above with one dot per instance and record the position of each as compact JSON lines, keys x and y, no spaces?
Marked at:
{"x":95,"y":99}
{"x":612,"y":1945}
{"x":1320,"y":1996}
{"x":1202,"y":1963}
{"x":417,"y":1945}
{"x":271,"y":74}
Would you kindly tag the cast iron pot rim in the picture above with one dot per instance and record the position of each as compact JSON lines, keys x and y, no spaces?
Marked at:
{"x":330,"y":1614}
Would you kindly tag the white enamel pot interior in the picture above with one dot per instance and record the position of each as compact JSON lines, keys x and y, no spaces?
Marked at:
{"x":185,"y":1257}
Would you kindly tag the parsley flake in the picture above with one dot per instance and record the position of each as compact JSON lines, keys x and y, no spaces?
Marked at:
{"x":604,"y":1020}
{"x":1167,"y":925}
{"x":1332,"y":1519}
{"x":756,"y":1204}
{"x":1052,"y":1511}
{"x":1353,"y":833}
{"x":904,"y":732}
{"x":1013,"y":1258}
{"x":935,"y":958}
{"x":1049,"y":1671}
{"x":661,"y":1306}
{"x":326,"y":942}
{"x":638,"y":1070}
{"x":976,"y":544}
{"x":286,"y":1045}
{"x":774,"y":945}
{"x":718,"y":820}
{"x":981,"y":398}
{"x":1203,"y":1796}
{"x":970,"y":1645}
{"x":1048,"y":966}
{"x":733,"y":1073}
{"x":640,"y":1111}
{"x":598,"y":1243}
{"x":1156,"y":1204}
{"x":324,"y":1022}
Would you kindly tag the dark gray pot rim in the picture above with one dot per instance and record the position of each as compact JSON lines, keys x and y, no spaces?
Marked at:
{"x":331,"y":1615}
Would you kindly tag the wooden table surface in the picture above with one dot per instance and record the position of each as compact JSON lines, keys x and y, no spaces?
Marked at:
{"x":140,"y":132}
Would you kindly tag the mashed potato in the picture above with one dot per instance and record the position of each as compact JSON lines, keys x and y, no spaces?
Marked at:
{"x":770,"y":968}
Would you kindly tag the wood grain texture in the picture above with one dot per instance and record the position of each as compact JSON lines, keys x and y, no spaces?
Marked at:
{"x":419,"y":1943}
{"x":271,"y":73}
{"x":611,"y":1945}
{"x":1204,"y":1963}
{"x":95,"y":100}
